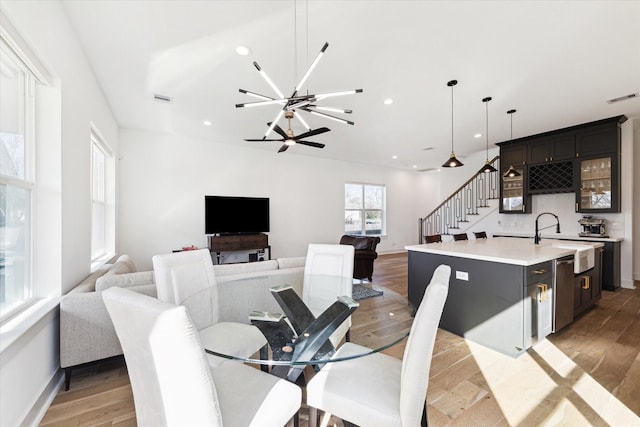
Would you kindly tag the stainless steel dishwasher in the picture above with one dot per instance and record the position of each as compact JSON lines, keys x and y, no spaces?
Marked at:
{"x":563,"y":295}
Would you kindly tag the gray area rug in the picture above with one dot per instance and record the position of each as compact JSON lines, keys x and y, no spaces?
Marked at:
{"x":362,"y":292}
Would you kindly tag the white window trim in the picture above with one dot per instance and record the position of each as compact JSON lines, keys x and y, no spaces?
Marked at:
{"x":109,"y":196}
{"x":363,"y":210}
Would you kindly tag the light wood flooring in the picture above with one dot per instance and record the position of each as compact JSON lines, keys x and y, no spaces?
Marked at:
{"x":586,"y":374}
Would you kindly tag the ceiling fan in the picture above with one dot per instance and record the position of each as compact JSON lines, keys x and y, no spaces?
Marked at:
{"x":289,"y":138}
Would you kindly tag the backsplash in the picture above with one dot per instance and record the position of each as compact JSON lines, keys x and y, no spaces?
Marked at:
{"x":562,"y":205}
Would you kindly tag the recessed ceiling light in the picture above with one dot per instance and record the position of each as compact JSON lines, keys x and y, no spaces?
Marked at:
{"x":388,"y":101}
{"x":477,"y":135}
{"x":243,"y":50}
{"x":394,"y":157}
{"x":414,"y":166}
{"x":207,"y":123}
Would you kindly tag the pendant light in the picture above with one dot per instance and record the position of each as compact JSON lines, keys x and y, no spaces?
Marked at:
{"x":452,"y":162}
{"x":487,"y":168}
{"x":511,"y":172}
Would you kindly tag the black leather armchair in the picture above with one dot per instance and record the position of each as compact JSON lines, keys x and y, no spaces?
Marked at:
{"x":365,"y":254}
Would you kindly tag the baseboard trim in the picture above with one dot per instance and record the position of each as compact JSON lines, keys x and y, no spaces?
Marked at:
{"x":36,"y":414}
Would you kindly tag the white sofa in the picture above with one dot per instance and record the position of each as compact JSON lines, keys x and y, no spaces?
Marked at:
{"x":86,"y":330}
{"x":87,"y":333}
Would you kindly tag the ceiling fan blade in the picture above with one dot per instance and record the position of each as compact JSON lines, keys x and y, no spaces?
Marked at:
{"x":283,"y":148}
{"x":263,"y":140}
{"x":313,"y":132}
{"x":311,"y":144}
{"x":278,"y":130}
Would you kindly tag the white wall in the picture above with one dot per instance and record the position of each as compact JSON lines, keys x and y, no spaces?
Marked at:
{"x":165,"y":177}
{"x":29,"y":367}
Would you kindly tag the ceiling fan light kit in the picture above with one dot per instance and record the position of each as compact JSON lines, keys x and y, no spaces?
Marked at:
{"x":487,"y":168}
{"x":452,"y":162}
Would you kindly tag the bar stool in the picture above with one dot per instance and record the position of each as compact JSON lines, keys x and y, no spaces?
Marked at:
{"x":434,"y":238}
{"x":461,"y":236}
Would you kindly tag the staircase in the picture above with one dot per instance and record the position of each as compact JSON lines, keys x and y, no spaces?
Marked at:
{"x":465,"y":206}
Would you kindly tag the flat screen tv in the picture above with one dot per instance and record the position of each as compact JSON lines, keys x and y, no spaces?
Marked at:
{"x":236,"y":215}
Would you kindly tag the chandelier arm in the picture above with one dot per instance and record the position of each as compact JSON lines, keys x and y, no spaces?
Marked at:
{"x":273,"y":124}
{"x":330,"y":109}
{"x":313,"y":65}
{"x":328,"y":116}
{"x":262,"y":103}
{"x":322,"y":96}
{"x":306,"y":126}
{"x":268,"y":80}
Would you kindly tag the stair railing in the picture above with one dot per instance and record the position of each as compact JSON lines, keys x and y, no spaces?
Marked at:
{"x":465,"y":201}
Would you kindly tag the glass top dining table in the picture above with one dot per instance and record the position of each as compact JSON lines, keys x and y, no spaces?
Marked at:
{"x":296,"y":313}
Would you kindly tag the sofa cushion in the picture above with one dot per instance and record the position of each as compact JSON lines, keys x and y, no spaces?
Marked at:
{"x":89,"y":284}
{"x":127,"y":260}
{"x":124,"y":280}
{"x":247,"y":267}
{"x":291,"y":262}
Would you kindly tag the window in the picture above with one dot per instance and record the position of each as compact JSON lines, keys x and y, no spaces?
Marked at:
{"x":16,"y":180}
{"x":97,"y":200}
{"x":102,"y":242}
{"x":364,"y":209}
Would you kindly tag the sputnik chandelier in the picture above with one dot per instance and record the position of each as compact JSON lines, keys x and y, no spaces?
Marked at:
{"x":296,"y":102}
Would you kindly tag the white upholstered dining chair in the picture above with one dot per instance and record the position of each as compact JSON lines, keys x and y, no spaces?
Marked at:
{"x":319,"y":293}
{"x":187,"y":278}
{"x":172,"y":383}
{"x":380,"y":390}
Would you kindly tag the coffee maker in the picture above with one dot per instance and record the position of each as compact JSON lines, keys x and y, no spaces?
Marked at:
{"x":592,"y":227}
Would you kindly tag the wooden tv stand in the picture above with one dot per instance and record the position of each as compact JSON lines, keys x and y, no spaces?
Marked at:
{"x":238,"y":242}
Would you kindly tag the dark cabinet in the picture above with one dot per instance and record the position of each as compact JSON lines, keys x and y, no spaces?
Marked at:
{"x":551,"y":148}
{"x":563,"y":161}
{"x":588,"y":286}
{"x":599,"y":139}
{"x":597,"y":181}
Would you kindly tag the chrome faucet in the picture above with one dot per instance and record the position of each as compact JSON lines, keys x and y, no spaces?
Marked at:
{"x":536,"y":238}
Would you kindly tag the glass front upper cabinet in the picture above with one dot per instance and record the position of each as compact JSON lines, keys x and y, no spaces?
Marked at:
{"x":513,"y":199}
{"x":597,"y":190}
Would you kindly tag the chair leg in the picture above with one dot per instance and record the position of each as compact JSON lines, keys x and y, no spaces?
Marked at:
{"x":313,"y":416}
{"x":424,"y":422}
{"x":264,"y":355}
{"x":67,"y":378}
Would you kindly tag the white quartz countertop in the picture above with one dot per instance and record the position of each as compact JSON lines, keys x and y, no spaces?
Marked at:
{"x":560,"y":236}
{"x":504,"y":250}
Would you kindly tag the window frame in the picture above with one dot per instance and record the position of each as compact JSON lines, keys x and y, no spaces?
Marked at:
{"x":107,"y":190}
{"x":26,"y":107}
{"x":363,"y":209}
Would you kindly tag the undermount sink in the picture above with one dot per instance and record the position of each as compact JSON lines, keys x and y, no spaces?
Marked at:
{"x":583,"y":259}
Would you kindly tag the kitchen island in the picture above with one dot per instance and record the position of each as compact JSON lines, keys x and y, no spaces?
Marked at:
{"x":501,"y":291}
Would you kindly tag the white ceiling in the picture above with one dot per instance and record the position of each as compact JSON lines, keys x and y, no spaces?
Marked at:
{"x":556,"y":62}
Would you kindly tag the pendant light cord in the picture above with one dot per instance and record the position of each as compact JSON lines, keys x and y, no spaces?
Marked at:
{"x":452,"y":118}
{"x":295,"y":42}
{"x":487,"y":124}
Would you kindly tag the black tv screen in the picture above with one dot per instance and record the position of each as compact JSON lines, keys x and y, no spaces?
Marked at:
{"x":236,"y":215}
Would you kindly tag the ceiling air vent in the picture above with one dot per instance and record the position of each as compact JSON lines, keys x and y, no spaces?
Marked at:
{"x":162,"y":98}
{"x":623,"y":98}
